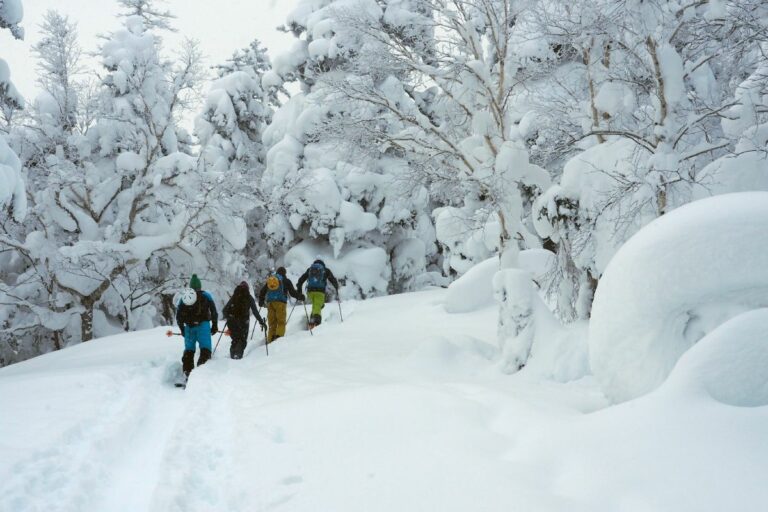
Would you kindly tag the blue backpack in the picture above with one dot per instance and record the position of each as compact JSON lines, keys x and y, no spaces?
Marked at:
{"x":276,"y":289}
{"x":317,"y":280}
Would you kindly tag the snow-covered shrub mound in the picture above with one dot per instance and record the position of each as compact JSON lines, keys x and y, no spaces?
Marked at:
{"x":672,"y":283}
{"x":731,"y":363}
{"x":473,"y":290}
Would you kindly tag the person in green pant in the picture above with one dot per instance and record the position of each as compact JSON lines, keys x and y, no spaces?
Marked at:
{"x":317,"y":278}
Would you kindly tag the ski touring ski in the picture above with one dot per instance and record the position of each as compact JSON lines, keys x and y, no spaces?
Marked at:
{"x":182,"y":383}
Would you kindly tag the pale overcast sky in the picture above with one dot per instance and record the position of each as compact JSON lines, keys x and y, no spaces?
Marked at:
{"x":221,"y":26}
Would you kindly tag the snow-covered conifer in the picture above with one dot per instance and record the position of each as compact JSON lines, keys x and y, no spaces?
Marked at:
{"x":230,"y":129}
{"x":336,"y":192}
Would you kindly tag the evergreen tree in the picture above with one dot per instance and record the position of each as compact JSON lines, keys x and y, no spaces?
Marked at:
{"x":236,"y":112}
{"x":336,"y":193}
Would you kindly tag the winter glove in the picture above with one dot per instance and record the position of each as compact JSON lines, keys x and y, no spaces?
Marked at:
{"x":302,"y":298}
{"x":214,"y":329}
{"x":261,"y":304}
{"x":263,"y":325}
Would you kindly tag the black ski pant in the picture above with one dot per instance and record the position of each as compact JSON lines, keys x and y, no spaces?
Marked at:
{"x":239,"y":332}
{"x":188,"y":359}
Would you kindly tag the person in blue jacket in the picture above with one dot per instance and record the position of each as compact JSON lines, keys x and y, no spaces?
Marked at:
{"x":317,"y":278}
{"x":198,"y":320}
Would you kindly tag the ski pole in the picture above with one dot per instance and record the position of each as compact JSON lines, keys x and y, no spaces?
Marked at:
{"x":341,"y":315}
{"x":220,"y":335}
{"x":170,"y":333}
{"x":254,"y":327}
{"x":291,"y":313}
{"x":307,"y":315}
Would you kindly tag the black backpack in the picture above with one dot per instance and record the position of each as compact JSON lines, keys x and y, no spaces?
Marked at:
{"x":198,"y":312}
{"x":239,"y":307}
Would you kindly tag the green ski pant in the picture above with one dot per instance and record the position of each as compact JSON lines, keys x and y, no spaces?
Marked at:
{"x":318,"y":301}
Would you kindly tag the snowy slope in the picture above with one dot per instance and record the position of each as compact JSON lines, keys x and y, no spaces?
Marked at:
{"x":403,"y":407}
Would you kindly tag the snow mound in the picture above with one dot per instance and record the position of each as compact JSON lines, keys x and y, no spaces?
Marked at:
{"x":674,"y":282}
{"x":473,"y":290}
{"x":463,"y":355}
{"x":731,"y":363}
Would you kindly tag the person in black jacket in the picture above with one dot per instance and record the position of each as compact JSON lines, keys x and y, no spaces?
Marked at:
{"x":274,"y":294}
{"x":317,"y":278}
{"x":198,"y":321}
{"x":237,"y":313}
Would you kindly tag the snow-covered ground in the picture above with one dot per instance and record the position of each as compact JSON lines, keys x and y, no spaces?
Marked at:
{"x":403,"y":407}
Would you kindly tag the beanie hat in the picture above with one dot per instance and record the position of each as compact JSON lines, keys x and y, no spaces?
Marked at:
{"x":195,"y":283}
{"x":281,"y":271}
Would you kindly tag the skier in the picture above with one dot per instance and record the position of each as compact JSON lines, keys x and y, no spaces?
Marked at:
{"x":274,"y":294}
{"x":317,"y":277}
{"x":198,"y":320}
{"x":236,"y":312}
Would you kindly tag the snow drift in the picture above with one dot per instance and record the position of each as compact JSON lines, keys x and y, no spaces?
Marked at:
{"x":674,"y":282}
{"x":730,"y":364}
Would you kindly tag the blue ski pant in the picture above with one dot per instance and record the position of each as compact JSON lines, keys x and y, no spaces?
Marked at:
{"x":200,"y":333}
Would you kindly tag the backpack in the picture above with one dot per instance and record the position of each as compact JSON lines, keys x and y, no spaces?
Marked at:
{"x":238,"y":308}
{"x":317,"y":280}
{"x":198,"y":312}
{"x":276,"y":289}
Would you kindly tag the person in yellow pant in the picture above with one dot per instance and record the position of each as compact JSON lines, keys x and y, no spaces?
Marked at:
{"x":274,"y":294}
{"x":317,"y":278}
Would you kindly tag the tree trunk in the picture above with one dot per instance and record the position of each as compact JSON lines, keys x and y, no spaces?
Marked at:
{"x":508,"y":250}
{"x":86,"y":321}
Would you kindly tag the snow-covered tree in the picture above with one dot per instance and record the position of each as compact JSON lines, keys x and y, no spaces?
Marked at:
{"x":59,"y":60}
{"x":445,"y":73}
{"x":230,"y":129}
{"x":660,"y":78}
{"x":235,"y":114}
{"x":334,"y":193}
{"x":122,"y":212}
{"x":456,"y":72}
{"x":11,"y":182}
{"x":150,"y":13}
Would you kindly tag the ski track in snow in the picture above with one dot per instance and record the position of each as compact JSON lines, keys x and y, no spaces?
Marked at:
{"x":101,"y":453}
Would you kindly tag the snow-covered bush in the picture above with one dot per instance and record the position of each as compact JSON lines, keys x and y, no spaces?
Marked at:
{"x":474,"y":289}
{"x":673,"y":283}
